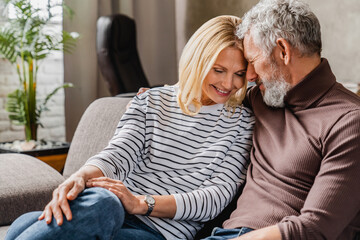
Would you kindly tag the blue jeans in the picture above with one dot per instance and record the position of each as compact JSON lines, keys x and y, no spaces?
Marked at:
{"x":97,"y":214}
{"x":222,"y":234}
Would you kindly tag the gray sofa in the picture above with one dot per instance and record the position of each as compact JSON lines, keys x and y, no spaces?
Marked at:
{"x":26,"y":183}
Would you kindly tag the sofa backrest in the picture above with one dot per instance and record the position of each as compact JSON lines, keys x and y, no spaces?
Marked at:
{"x":96,"y":127}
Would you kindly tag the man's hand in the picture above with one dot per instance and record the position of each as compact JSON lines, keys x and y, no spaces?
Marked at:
{"x":268,"y":233}
{"x":142,"y":90}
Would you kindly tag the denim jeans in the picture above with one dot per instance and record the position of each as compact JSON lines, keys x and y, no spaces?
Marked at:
{"x":97,"y":214}
{"x":222,"y":234}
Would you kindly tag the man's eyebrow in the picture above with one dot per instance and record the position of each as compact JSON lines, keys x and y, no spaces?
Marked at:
{"x":251,"y":59}
{"x":246,"y":56}
{"x":249,"y":56}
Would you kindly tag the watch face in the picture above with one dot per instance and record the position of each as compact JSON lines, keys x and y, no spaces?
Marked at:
{"x":150,"y":199}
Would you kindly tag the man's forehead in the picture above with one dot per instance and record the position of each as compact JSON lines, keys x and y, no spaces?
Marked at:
{"x":249,"y":47}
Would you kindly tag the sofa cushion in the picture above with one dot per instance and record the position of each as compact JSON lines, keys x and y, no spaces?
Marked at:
{"x":3,"y":231}
{"x":26,"y":184}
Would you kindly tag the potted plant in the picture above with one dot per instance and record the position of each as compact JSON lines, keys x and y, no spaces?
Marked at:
{"x":25,"y":41}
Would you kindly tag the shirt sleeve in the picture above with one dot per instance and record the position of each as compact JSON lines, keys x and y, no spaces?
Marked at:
{"x":217,"y":192}
{"x":121,"y":155}
{"x":334,"y":199}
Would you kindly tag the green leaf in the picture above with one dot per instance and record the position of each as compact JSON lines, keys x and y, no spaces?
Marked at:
{"x":15,"y":107}
{"x":8,"y":44}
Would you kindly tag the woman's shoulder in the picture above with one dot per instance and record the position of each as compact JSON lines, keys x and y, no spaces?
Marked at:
{"x":246,"y":111}
{"x":240,"y":114}
{"x":165,"y":95}
{"x":239,"y":110}
{"x":164,"y":90}
{"x":247,"y":116}
{"x":157,"y":92}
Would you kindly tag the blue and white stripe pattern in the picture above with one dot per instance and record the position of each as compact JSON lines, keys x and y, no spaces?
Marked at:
{"x":201,"y":160}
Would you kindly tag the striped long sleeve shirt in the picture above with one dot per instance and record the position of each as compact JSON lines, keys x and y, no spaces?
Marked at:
{"x":201,"y":160}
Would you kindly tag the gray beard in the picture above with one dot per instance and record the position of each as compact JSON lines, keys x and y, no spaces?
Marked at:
{"x":275,"y":91}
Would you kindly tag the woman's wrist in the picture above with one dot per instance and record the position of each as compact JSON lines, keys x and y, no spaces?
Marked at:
{"x":164,"y":207}
{"x":87,"y":172}
{"x":142,"y":206}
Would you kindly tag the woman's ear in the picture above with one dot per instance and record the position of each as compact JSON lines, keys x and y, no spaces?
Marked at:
{"x":285,"y":50}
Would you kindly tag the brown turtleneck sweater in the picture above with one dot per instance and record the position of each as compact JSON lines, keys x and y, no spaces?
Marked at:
{"x":304,"y":174}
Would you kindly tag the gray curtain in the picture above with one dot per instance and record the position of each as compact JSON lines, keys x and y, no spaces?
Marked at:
{"x":80,"y":67}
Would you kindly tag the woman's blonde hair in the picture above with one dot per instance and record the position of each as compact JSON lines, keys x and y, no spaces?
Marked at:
{"x":199,"y":56}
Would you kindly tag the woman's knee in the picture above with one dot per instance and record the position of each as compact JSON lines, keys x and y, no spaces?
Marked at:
{"x":22,"y":223}
{"x":100,"y":209}
{"x":100,"y":200}
{"x":89,"y":210}
{"x":97,"y":194}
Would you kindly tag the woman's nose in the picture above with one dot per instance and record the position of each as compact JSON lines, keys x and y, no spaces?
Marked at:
{"x":228,"y":82}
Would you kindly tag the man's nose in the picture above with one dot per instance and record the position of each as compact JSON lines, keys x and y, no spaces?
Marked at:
{"x":251,"y":75}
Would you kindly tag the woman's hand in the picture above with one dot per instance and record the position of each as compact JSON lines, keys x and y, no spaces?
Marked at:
{"x":68,"y":191}
{"x":59,"y":204}
{"x":165,"y":206}
{"x":131,"y":203}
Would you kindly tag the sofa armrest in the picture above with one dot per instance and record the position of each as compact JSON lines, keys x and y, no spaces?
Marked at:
{"x":26,"y":184}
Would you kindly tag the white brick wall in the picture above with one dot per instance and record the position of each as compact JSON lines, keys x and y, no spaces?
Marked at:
{"x":50,"y":75}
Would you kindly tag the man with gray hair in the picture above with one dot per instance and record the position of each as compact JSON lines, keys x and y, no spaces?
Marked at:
{"x":303,"y":180}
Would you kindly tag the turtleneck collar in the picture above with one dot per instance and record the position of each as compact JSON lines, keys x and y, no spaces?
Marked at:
{"x":311,"y":88}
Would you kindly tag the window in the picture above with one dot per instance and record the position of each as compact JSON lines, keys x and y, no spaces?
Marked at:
{"x":45,"y":7}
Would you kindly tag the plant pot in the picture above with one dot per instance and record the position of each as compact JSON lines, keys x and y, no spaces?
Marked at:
{"x":54,"y":156}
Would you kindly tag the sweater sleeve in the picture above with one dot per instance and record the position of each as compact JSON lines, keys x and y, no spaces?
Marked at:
{"x":217,"y":192}
{"x":120,"y":157}
{"x":334,"y":199}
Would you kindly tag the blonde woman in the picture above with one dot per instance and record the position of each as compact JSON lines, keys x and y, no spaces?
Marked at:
{"x":177,"y":158}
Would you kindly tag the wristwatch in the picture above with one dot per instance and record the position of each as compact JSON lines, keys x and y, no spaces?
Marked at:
{"x":150,"y":201}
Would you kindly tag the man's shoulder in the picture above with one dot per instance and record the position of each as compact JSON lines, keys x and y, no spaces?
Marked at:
{"x":340,"y":99}
{"x":350,"y":98}
{"x":339,"y":109}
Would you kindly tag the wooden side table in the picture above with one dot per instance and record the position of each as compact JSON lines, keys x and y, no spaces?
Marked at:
{"x":56,"y":161}
{"x":55,"y":157}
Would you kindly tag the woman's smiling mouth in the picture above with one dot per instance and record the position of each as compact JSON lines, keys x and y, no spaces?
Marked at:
{"x":221,"y":92}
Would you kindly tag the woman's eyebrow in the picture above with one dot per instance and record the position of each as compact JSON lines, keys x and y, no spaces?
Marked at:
{"x":218,"y":65}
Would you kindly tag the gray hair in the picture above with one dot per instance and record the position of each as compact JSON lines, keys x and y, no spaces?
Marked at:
{"x":289,"y":19}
